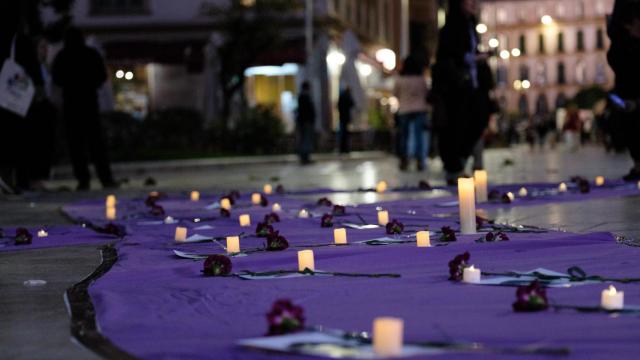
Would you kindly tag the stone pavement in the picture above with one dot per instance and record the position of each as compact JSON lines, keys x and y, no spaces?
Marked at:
{"x":38,"y":325}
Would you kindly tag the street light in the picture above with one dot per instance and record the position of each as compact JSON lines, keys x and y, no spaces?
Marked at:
{"x":546,"y":20}
{"x":517,"y":84}
{"x":515,"y":52}
{"x":494,"y":43}
{"x":504,"y":54}
{"x":128,"y":75}
{"x":387,"y":57}
{"x":119,"y":74}
{"x":365,"y":69}
{"x":481,"y":28}
{"x":526,"y":84}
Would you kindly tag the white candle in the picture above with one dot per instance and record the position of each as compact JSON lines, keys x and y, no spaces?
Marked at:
{"x":511,"y":196}
{"x":305,"y":260}
{"x":480,"y":180}
{"x":612,"y":299}
{"x":276,"y":207}
{"x":111,"y":201}
{"x":303,"y":214}
{"x":381,"y":186}
{"x":42,"y":233}
{"x":471,"y":275}
{"x":168,"y":220}
{"x":383,"y":217}
{"x":195,"y":196}
{"x":523,"y":192}
{"x":255,"y":198}
{"x":466,"y":197}
{"x":245,"y":220}
{"x":599,"y":180}
{"x":267,"y":189}
{"x":233,"y":244}
{"x":388,"y":336}
{"x":225,"y":203}
{"x":562,"y":187}
{"x":423,"y":239}
{"x":340,"y":236}
{"x":110,"y":213}
{"x":181,"y":233}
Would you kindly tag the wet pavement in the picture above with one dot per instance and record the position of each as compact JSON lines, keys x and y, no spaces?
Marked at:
{"x":38,"y":325}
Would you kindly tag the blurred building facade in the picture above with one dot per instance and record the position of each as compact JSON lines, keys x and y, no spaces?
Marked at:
{"x":548,"y":50}
{"x":156,"y":52}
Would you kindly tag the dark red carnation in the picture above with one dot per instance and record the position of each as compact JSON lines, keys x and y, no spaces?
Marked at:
{"x":280,"y":189}
{"x":457,"y":266}
{"x":531,"y":298}
{"x":424,"y":185}
{"x":157,"y":210}
{"x":263,"y":229}
{"x":326,"y":221}
{"x":217,"y":265}
{"x":584,"y":186}
{"x":271,"y":218}
{"x":324,"y":202}
{"x":263,"y":200}
{"x":394,"y":227}
{"x":285,"y":318}
{"x":276,"y":242}
{"x":494,"y":195}
{"x":339,"y":210}
{"x":448,"y":234}
{"x":225,"y":213}
{"x":23,"y":236}
{"x":506,"y":199}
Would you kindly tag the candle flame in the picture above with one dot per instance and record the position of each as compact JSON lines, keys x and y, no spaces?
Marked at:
{"x":472,"y":268}
{"x":612,"y":290}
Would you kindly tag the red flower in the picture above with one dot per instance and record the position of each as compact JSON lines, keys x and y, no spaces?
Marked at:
{"x":498,"y":236}
{"x":280,"y":189}
{"x":234,"y":195}
{"x":263,"y":229}
{"x":225,"y":213}
{"x":584,"y":186}
{"x":326,"y":221}
{"x":324,"y":202}
{"x":394,"y":227}
{"x":271,"y":218}
{"x":448,"y":234}
{"x":263,"y":200}
{"x":157,"y":210}
{"x":23,"y":236}
{"x":276,"y":242}
{"x":531,"y":298}
{"x":113,"y":229}
{"x":457,"y":265}
{"x":494,"y":195}
{"x":339,"y":210}
{"x":506,"y":199}
{"x":217,"y":265}
{"x":424,"y":185}
{"x":285,"y":318}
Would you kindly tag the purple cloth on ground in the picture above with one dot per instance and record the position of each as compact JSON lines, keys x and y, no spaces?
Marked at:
{"x":58,"y":236}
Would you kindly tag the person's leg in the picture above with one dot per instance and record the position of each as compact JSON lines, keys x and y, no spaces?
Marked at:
{"x":342,"y":134}
{"x":99,"y":153}
{"x":632,"y":130}
{"x":403,"y":139}
{"x":77,"y":143}
{"x":419,"y":139}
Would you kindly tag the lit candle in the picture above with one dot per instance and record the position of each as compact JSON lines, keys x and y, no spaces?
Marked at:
{"x":303,"y":214}
{"x":480,"y":180}
{"x":305,"y":260}
{"x":225,"y":203}
{"x":42,"y":233}
{"x":466,"y":197}
{"x":381,"y":186}
{"x":267,"y":189}
{"x":612,"y":299}
{"x":562,"y":187}
{"x":111,"y":201}
{"x":111,"y":213}
{"x":523,"y":192}
{"x":340,"y":236}
{"x":181,"y":233}
{"x":383,"y":217}
{"x":255,"y":198}
{"x":471,"y":275}
{"x":276,"y":207}
{"x":599,"y":180}
{"x":387,"y":336}
{"x":195,"y":196}
{"x":245,"y":220}
{"x":511,"y":196}
{"x":423,"y":239}
{"x":233,"y":244}
{"x":168,"y":220}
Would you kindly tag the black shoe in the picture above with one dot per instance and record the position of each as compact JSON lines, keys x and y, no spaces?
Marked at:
{"x":633,"y":175}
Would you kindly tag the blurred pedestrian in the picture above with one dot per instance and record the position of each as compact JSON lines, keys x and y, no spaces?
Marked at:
{"x":462,"y":82}
{"x":624,"y":59}
{"x":79,"y":71}
{"x":572,"y":128}
{"x":305,"y":123}
{"x":345,"y":108}
{"x":16,"y":145}
{"x":413,"y":119}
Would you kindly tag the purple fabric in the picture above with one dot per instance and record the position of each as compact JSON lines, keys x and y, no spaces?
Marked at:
{"x":58,"y":236}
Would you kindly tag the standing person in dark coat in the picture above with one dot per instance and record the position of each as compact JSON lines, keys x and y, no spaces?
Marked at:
{"x":305,"y":122}
{"x":462,"y":81}
{"x":624,"y":59}
{"x":345,"y":107}
{"x":15,"y":147}
{"x":79,"y":71}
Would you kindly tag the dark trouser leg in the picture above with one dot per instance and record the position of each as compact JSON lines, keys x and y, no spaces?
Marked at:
{"x":99,"y":153}
{"x":344,"y":137}
{"x":77,"y":140}
{"x":631,"y":123}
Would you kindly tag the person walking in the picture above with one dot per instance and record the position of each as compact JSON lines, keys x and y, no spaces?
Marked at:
{"x":345,"y":109}
{"x":411,"y":91}
{"x":79,"y":71}
{"x":462,"y":82}
{"x":624,"y":57}
{"x":305,"y":122}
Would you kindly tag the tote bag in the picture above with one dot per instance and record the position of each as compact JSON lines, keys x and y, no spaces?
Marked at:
{"x":16,"y":87}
